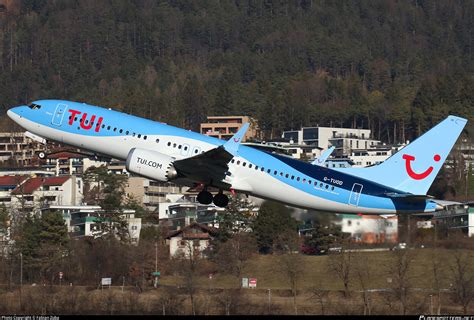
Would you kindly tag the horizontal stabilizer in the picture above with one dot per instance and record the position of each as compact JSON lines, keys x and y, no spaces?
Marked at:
{"x":408,"y":196}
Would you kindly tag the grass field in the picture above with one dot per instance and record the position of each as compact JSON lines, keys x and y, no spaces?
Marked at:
{"x":267,"y":269}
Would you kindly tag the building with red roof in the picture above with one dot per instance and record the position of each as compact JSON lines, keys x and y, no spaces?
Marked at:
{"x":34,"y":192}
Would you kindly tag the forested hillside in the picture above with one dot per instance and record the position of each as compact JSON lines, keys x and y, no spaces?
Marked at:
{"x":395,"y":67}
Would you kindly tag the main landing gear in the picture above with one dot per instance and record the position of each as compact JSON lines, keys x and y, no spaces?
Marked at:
{"x":220,"y":199}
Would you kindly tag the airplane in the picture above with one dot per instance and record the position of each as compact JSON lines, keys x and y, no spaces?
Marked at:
{"x":165,"y":153}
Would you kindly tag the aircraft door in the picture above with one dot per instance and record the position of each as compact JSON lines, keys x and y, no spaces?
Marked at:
{"x":59,"y":114}
{"x":355,"y":194}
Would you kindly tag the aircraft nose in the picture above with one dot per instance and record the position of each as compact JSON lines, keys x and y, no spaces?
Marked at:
{"x":16,"y":111}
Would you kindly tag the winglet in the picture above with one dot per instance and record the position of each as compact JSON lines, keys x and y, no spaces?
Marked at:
{"x":323,"y":157}
{"x":232,"y":145}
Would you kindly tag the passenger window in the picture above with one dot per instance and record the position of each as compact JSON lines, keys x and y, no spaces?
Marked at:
{"x":244,"y":164}
{"x":139,"y":136}
{"x":115,"y":129}
{"x":256,"y":167}
{"x":108,"y":128}
{"x":157,"y":140}
{"x":268,"y":170}
{"x":292,"y":177}
{"x":275,"y":172}
{"x":232,"y":160}
{"x":238,"y":162}
{"x":263,"y":169}
{"x":250,"y":165}
{"x":144,"y":138}
{"x":169,"y":144}
{"x":103,"y":126}
{"x":179,"y":147}
{"x":287,"y":175}
{"x":127,"y":133}
{"x":298,"y":179}
{"x":121,"y":130}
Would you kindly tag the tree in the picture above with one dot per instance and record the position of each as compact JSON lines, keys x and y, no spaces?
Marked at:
{"x":399,"y":270}
{"x":341,"y":263}
{"x":363,"y":274}
{"x":462,"y":278}
{"x":236,"y":218}
{"x":292,"y":264}
{"x":44,"y":245}
{"x":232,"y":255}
{"x":107,"y":190}
{"x":322,"y":237}
{"x":273,"y":219}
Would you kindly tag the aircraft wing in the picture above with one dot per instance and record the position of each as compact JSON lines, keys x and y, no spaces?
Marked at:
{"x":211,"y":167}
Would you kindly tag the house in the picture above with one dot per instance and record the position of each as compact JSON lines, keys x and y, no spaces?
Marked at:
{"x":85,"y":220}
{"x":193,"y":239}
{"x":34,"y":192}
{"x":370,"y":229}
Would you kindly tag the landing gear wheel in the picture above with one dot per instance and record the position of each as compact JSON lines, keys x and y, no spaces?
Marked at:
{"x":41,"y":155}
{"x":204,"y":197}
{"x":221,"y":200}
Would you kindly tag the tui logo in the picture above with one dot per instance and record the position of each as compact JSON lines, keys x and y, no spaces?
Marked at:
{"x":85,"y":124}
{"x":418,"y":176}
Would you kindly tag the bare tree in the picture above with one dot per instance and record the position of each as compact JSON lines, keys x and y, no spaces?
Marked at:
{"x":188,"y":265}
{"x":437,"y":266}
{"x":341,"y":264}
{"x":363,"y":271}
{"x":230,"y":301}
{"x":399,"y":271}
{"x":232,"y":255}
{"x":322,"y":297}
{"x":292,"y":264}
{"x":463,"y":279}
{"x":170,"y":301}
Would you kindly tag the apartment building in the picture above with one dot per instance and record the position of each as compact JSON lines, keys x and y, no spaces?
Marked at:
{"x":18,"y":148}
{"x":35,"y":192}
{"x":224,"y":127}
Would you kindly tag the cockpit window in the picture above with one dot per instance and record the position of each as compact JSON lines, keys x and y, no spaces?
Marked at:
{"x":34,"y":106}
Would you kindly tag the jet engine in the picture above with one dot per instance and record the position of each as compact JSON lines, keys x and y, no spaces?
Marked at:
{"x":151,"y":164}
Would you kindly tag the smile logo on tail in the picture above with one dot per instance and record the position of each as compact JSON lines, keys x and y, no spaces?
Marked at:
{"x":413,"y":174}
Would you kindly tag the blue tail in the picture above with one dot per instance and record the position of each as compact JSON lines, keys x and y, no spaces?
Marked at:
{"x":414,"y":168}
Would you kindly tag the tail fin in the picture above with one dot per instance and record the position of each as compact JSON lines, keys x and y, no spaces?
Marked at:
{"x":414,"y":168}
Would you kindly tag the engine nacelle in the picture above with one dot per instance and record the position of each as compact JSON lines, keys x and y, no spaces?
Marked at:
{"x":151,"y":164}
